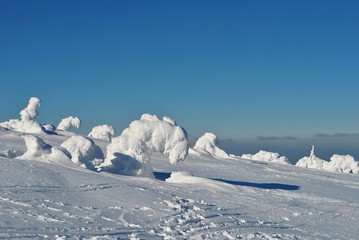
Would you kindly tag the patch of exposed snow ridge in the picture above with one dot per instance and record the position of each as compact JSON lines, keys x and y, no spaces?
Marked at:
{"x":267,"y":157}
{"x":129,"y":153}
{"x":207,"y":144}
{"x":337,"y":163}
{"x":104,"y":132}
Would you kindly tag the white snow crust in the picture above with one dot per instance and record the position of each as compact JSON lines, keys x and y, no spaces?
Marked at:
{"x":207,"y":144}
{"x":83,"y":151}
{"x":267,"y":157}
{"x":104,"y":132}
{"x":69,"y":122}
{"x":129,"y":153}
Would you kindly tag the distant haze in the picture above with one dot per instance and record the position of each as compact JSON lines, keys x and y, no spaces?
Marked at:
{"x":295,"y":148}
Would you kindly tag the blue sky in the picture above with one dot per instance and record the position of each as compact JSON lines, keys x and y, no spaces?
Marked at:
{"x":240,"y":69}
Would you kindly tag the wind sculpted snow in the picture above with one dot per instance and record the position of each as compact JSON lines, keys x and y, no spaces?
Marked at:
{"x":205,"y":198}
{"x":129,"y":153}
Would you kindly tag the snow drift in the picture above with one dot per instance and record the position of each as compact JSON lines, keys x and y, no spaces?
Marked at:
{"x":337,"y":163}
{"x":267,"y":157}
{"x":183,"y":177}
{"x":104,"y":132}
{"x":69,"y":122}
{"x":28,"y":115}
{"x":207,"y":144}
{"x":83,"y":151}
{"x":37,"y":149}
{"x":129,"y":153}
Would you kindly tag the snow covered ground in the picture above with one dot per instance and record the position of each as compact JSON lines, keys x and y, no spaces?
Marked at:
{"x":206,"y":198}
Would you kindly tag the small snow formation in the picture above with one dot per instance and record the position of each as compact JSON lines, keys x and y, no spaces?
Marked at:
{"x":83,"y":151}
{"x":68,"y":123}
{"x":104,"y":132}
{"x":129,"y":153}
{"x":28,"y":115}
{"x":267,"y":157}
{"x":49,"y":127}
{"x":337,"y":163}
{"x":312,"y":161}
{"x":37,"y":149}
{"x":208,"y":144}
{"x":342,"y":163}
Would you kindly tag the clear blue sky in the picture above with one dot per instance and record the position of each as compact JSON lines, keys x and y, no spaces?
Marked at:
{"x":240,"y":69}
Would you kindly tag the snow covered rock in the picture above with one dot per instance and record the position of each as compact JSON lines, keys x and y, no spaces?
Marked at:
{"x":129,"y":153}
{"x":208,"y":144}
{"x":104,"y":132}
{"x":37,"y":149}
{"x":342,"y":163}
{"x":68,"y":123}
{"x":28,"y":115}
{"x":267,"y":157}
{"x":83,"y":151}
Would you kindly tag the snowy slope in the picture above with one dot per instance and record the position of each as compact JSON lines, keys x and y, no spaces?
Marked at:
{"x":215,"y":199}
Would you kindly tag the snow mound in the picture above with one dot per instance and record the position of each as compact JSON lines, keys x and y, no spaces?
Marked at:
{"x":27,"y":124}
{"x":183,"y":177}
{"x":208,"y":144}
{"x":68,"y":123}
{"x":37,"y":149}
{"x":267,"y":157}
{"x":83,"y":151}
{"x":129,"y":153}
{"x":49,"y":128}
{"x":104,"y":132}
{"x":342,"y":163}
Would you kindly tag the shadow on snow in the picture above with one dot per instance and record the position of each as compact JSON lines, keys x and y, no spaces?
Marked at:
{"x":272,"y":186}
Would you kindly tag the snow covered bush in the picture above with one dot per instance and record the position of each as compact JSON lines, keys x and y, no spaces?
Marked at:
{"x":104,"y":132}
{"x":311,"y":162}
{"x":129,"y":153}
{"x":267,"y":157}
{"x":342,"y":163}
{"x":37,"y":149}
{"x":28,"y":115}
{"x":337,"y":163}
{"x":68,"y":123}
{"x":83,"y":151}
{"x":208,"y":144}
